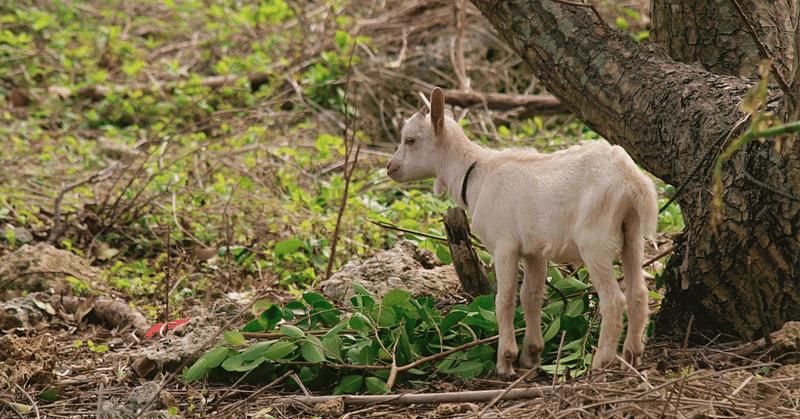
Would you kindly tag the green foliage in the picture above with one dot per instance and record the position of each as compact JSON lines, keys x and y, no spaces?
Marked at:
{"x":352,"y":351}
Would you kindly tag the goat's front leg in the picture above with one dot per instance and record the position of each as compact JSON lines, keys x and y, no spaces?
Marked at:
{"x":505,"y":270}
{"x":531,"y":296}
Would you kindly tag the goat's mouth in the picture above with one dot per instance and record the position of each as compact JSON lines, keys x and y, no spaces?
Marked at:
{"x":393,"y":171}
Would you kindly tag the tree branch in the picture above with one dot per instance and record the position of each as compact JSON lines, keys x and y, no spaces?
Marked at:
{"x":532,"y":104}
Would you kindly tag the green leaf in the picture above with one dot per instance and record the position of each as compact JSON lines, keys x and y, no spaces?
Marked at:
{"x":552,"y":329}
{"x":554,"y":308}
{"x":366,"y":356}
{"x":570,"y":285}
{"x":567,"y":360}
{"x":292,"y":331}
{"x":359,"y":321}
{"x":271,"y":317}
{"x":467,"y":370}
{"x":239,"y":364}
{"x":351,"y":384}
{"x":377,"y":386}
{"x":362,"y":301}
{"x":313,"y":297}
{"x":488,"y":315}
{"x":288,"y":247}
{"x":255,"y":350}
{"x":333,"y":347}
{"x":395,"y":298}
{"x":622,"y":24}
{"x":254,"y":325}
{"x":279,"y":350}
{"x":206,"y":363}
{"x":485,"y":302}
{"x":443,"y":253}
{"x":296,"y":308}
{"x":360,"y":290}
{"x":452,"y":318}
{"x":554,"y":273}
{"x":481,"y":353}
{"x":312,"y":352}
{"x":51,"y":395}
{"x":574,"y":308}
{"x":234,"y":338}
{"x":323,"y":312}
{"x":385,"y":317}
{"x":336,"y":329}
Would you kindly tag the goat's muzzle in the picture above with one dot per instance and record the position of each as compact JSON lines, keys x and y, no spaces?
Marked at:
{"x":393,"y":169}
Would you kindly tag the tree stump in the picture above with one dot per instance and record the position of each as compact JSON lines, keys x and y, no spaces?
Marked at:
{"x":469,"y":267}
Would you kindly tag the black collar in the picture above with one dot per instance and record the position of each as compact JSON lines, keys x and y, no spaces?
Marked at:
{"x":464,"y":184}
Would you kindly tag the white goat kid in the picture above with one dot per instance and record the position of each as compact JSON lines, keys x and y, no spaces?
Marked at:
{"x":577,"y":205}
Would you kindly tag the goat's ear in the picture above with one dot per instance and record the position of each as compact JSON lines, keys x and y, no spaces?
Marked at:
{"x":447,"y":112}
{"x":423,"y":111}
{"x":437,"y":111}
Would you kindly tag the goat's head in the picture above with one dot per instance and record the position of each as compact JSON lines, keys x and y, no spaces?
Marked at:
{"x":420,"y":151}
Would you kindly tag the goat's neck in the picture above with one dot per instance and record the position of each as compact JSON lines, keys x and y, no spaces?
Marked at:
{"x":457,"y":158}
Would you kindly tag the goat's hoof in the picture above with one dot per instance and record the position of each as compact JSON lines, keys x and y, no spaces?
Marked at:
{"x":602,"y":361}
{"x":504,"y":371}
{"x":631,"y":358}
{"x":529,"y":358}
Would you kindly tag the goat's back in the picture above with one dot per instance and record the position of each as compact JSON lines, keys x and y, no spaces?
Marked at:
{"x":553,"y":204}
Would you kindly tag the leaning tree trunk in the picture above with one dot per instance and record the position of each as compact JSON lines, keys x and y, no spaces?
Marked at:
{"x":712,"y":33}
{"x":743,"y":278}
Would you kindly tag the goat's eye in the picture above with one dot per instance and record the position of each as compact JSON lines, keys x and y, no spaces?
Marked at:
{"x":409,"y":141}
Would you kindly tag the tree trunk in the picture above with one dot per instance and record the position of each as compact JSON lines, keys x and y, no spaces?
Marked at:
{"x":711,"y":33}
{"x":742,"y":279}
{"x":469,"y":268}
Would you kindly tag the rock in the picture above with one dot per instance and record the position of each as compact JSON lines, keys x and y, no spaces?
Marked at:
{"x":189,"y":340}
{"x":405,"y":266}
{"x":41,"y":266}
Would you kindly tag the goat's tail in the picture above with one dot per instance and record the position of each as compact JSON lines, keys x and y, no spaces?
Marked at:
{"x":645,"y":203}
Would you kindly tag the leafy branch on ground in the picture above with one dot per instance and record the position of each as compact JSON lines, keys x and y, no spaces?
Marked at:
{"x":397,"y":340}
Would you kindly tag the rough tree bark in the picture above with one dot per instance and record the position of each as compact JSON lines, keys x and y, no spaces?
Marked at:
{"x":711,"y":33}
{"x":742,"y":279}
{"x":469,"y":267}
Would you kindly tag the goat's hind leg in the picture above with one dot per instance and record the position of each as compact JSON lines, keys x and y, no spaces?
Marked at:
{"x":531,"y":296}
{"x":505,"y":268}
{"x":612,"y":305}
{"x":636,"y":293}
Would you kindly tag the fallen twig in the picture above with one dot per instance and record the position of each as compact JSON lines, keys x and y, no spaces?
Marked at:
{"x":408,"y":399}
